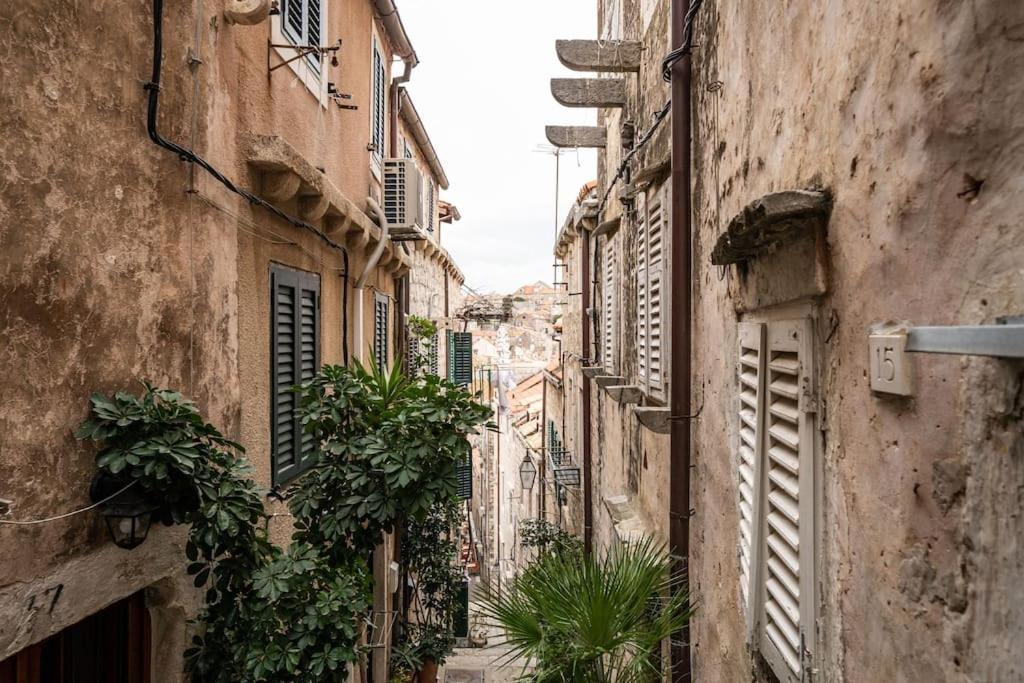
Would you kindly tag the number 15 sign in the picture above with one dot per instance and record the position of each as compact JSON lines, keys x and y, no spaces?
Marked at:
{"x":890,"y":369}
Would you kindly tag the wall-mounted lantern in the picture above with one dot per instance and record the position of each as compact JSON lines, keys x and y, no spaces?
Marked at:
{"x":527,"y":473}
{"x":127,"y":512}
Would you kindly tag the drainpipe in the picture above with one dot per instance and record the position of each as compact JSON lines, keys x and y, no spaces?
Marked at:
{"x":588,"y":484}
{"x":359,"y":286}
{"x":681,"y":334}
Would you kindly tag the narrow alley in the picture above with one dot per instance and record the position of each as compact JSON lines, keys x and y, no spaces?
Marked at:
{"x":588,"y":341}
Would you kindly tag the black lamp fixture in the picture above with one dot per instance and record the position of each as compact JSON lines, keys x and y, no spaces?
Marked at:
{"x":527,"y":473}
{"x":127,"y":512}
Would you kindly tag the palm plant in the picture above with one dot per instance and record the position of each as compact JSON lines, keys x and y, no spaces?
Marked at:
{"x":584,"y":619}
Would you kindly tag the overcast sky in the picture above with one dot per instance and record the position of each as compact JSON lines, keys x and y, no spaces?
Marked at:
{"x":483,"y":91}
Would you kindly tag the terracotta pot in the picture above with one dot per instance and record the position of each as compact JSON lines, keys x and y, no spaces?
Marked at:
{"x":428,"y":671}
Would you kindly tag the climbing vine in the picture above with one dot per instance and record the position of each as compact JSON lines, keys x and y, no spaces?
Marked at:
{"x":388,"y":447}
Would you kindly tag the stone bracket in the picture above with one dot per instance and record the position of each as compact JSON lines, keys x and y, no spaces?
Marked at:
{"x":592,"y":371}
{"x":589,"y":92}
{"x":577,"y":136}
{"x":654,"y":419}
{"x":608,"y":380}
{"x":625,"y":394}
{"x":617,"y":56}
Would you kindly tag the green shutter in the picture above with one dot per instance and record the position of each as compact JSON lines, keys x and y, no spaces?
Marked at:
{"x":295,"y":358}
{"x":461,"y":358}
{"x":380,"y":331}
{"x":449,"y":348}
{"x":464,"y":475}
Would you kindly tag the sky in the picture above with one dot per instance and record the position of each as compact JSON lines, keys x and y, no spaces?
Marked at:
{"x":483,"y":91}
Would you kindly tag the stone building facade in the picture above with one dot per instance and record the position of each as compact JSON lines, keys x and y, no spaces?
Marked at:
{"x":856,"y":171}
{"x":124,"y":263}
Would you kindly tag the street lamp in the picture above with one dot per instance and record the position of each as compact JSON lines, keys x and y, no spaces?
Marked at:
{"x":127,"y":512}
{"x":527,"y":473}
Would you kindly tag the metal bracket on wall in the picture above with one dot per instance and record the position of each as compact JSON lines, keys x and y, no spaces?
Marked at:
{"x":1005,"y":339}
{"x":302,"y":51}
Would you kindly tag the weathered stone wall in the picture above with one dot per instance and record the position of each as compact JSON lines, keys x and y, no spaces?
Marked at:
{"x":113,"y":273}
{"x":908,"y":113}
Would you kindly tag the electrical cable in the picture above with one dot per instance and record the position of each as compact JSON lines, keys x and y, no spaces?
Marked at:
{"x":187,"y":155}
{"x":687,"y":47}
{"x":29,"y":522}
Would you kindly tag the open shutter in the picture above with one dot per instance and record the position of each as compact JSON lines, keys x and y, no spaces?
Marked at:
{"x":378,"y":115}
{"x":302,"y":24}
{"x":642,"y":310}
{"x":657,"y":209}
{"x":464,"y":475}
{"x":788,"y":615}
{"x":295,"y":347}
{"x":449,"y":348}
{"x":608,"y":333}
{"x":750,"y":376}
{"x":432,"y":355}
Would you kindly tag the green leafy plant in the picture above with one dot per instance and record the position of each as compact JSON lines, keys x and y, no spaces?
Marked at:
{"x":592,"y":620}
{"x":387,"y":451}
{"x":546,"y":537}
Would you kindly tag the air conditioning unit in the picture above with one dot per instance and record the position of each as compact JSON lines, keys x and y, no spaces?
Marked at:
{"x":403,"y":200}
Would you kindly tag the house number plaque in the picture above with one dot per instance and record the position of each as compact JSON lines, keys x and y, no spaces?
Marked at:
{"x":890,"y":371}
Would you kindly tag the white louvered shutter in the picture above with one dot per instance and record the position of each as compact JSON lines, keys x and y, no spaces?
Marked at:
{"x":657,"y":211}
{"x":750,"y":375}
{"x":301,"y":24}
{"x":787,"y":565}
{"x":609,"y":328}
{"x":642,"y":327}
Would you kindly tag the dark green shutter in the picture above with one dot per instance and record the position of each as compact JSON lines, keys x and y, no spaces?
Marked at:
{"x":460,"y":620}
{"x":295,"y":358}
{"x":449,"y":348}
{"x":380,"y":331}
{"x":461,"y":358}
{"x":464,"y":476}
{"x":432,"y":368}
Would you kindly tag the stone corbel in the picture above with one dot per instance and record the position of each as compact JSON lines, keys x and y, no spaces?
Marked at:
{"x":625,"y":394}
{"x":589,"y":92}
{"x":608,"y":380}
{"x":246,"y":12}
{"x":608,"y":56}
{"x":279,"y":186}
{"x":595,"y":137}
{"x":592,"y":371}
{"x":654,"y":419}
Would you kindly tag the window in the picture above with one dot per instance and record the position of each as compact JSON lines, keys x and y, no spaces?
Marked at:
{"x":380,"y":330}
{"x":651,"y":300}
{"x":295,"y":344}
{"x":432,"y":355}
{"x":609,"y":331}
{"x":301,"y":23}
{"x":378,"y":115}
{"x":460,"y":358}
{"x":777,"y":470}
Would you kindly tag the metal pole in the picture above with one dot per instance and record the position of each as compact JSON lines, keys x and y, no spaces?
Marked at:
{"x":681,"y":275}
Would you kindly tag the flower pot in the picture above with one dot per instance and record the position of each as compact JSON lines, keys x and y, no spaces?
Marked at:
{"x":428,"y":671}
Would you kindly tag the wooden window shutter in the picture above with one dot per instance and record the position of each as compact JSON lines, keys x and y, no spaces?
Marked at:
{"x":462,"y":355}
{"x":656,"y":300}
{"x":378,"y":116}
{"x":432,"y":355}
{"x":750,"y":381}
{"x":295,"y":345}
{"x":464,"y":475}
{"x":380,"y":330}
{"x":413,"y":356}
{"x":302,"y":24}
{"x":787,"y":560}
{"x":609,"y":332}
{"x":449,"y":348}
{"x":642,"y":333}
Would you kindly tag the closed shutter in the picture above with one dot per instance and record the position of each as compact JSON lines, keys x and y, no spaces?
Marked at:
{"x":412,"y":360}
{"x":378,"y":114}
{"x":449,"y":347}
{"x":750,"y":372}
{"x":787,"y":485}
{"x":301,"y":24}
{"x":295,"y":345}
{"x":464,"y":475}
{"x":610,"y":322}
{"x":462,"y":355}
{"x":380,"y":330}
{"x":432,"y":355}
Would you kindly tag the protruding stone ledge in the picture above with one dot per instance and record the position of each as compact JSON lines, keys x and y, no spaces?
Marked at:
{"x":608,"y":227}
{"x":608,"y":380}
{"x":654,"y":419}
{"x":768,"y":222}
{"x":285,"y":174}
{"x":577,"y":136}
{"x":624,"y":394}
{"x":618,"y":56}
{"x":592,"y":371}
{"x":589,"y":92}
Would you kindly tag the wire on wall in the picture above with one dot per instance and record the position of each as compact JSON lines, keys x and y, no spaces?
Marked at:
{"x":30,"y":522}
